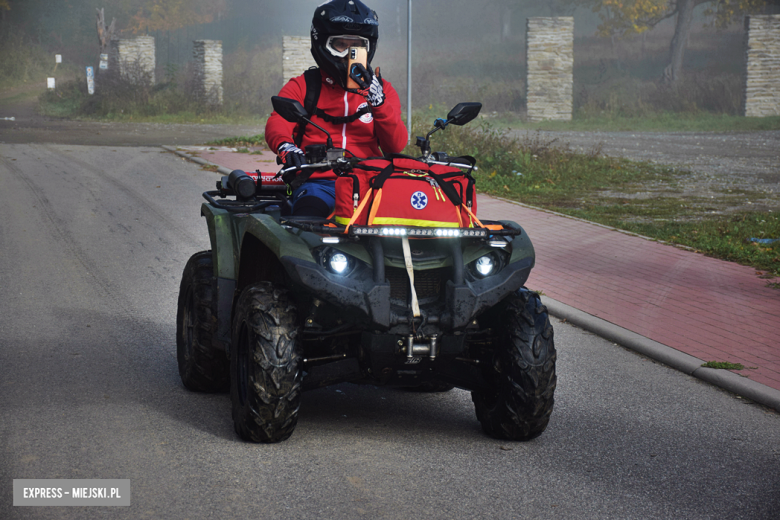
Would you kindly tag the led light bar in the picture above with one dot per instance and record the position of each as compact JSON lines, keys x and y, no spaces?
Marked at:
{"x":420,"y":232}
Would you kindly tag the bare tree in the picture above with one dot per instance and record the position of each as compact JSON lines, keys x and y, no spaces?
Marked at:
{"x":104,"y":34}
{"x":621,"y":18}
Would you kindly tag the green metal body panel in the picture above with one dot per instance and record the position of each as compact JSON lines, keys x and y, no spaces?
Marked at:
{"x":223,"y":241}
{"x":227,"y":230}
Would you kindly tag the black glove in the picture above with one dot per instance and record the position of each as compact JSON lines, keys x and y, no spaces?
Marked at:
{"x":370,"y":84}
{"x":291,"y":155}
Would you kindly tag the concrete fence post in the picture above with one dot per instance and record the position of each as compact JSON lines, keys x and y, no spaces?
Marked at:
{"x":550,"y":61}
{"x":296,"y":56}
{"x":208,"y":71}
{"x":133,"y":58}
{"x":761,"y":94}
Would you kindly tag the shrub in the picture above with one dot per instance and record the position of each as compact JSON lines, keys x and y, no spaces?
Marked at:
{"x":21,"y":61}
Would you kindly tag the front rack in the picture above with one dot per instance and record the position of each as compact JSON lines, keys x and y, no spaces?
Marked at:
{"x":324,"y":226}
{"x":237,"y":206}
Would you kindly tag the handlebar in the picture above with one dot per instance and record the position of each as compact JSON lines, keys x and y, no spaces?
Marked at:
{"x":325,"y":164}
{"x":352,"y":161}
{"x":457,"y":165}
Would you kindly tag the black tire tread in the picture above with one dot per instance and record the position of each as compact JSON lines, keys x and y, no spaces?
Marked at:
{"x":202,"y":367}
{"x":523,"y":370}
{"x":273,"y":393}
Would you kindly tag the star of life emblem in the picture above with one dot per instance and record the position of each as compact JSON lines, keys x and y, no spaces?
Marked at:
{"x":419,"y":200}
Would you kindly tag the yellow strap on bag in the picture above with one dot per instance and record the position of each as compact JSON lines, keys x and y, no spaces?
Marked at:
{"x":358,"y":211}
{"x":472,"y":215}
{"x":375,"y":207}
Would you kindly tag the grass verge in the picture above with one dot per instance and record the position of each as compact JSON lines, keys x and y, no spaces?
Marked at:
{"x":143,"y":102}
{"x":244,"y":141}
{"x":20,"y":95}
{"x":655,"y":122}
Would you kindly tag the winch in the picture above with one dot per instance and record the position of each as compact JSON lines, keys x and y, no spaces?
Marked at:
{"x":417,"y":347}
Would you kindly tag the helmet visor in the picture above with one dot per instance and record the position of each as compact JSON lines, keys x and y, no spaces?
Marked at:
{"x":339,"y":45}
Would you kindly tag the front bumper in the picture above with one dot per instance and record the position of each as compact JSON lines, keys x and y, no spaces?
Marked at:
{"x":372,"y":301}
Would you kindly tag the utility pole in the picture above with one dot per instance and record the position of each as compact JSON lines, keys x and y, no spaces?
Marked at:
{"x":105,"y":34}
{"x":409,"y":74}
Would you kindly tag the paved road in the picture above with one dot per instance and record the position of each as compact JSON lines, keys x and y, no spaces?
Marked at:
{"x":92,"y":244}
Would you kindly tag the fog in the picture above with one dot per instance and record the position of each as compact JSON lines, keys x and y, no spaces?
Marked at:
{"x":462,"y":49}
{"x":70,"y":23}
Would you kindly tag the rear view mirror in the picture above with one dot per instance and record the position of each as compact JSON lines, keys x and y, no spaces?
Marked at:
{"x":463,"y":113}
{"x":290,"y":109}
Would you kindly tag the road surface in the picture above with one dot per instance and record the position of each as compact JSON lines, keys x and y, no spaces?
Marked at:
{"x":93,"y":241}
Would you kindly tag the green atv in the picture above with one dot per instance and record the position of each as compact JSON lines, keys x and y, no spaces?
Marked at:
{"x":282,"y":304}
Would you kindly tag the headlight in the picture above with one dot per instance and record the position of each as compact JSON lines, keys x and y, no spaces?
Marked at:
{"x":485,"y":265}
{"x":488,"y":265}
{"x":336,"y":262}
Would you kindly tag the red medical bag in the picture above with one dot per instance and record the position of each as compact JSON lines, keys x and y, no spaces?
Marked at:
{"x":405,"y":192}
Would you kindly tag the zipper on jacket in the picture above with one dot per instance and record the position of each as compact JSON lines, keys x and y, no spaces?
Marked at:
{"x":344,"y":127}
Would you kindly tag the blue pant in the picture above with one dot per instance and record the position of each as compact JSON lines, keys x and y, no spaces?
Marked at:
{"x":314,"y":198}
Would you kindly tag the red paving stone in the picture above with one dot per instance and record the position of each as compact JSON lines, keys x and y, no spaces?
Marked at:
{"x":711,"y":309}
{"x":265,"y":161}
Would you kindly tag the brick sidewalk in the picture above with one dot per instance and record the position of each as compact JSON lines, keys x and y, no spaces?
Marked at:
{"x":708,"y":308}
{"x":265,"y":162}
{"x":711,"y":309}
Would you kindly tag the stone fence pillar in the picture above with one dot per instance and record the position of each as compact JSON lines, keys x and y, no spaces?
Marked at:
{"x":208,"y":71}
{"x":296,"y":56}
{"x":133,"y":58}
{"x":550,"y":60}
{"x":761,"y":97}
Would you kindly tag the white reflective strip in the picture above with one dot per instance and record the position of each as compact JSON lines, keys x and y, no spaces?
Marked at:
{"x":344,"y":129}
{"x":410,"y":271}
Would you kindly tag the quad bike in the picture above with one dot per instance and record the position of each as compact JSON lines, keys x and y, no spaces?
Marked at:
{"x":283,"y":304}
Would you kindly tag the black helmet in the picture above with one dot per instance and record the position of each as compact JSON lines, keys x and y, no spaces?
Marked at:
{"x":341,"y":18}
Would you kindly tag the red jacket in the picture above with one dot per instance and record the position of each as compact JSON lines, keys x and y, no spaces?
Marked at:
{"x":381,"y":128}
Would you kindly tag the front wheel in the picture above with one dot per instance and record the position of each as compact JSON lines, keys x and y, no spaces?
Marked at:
{"x":265,"y":365}
{"x":522,"y":371}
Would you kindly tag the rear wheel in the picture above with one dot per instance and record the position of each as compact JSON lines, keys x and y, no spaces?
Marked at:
{"x":265,"y":365}
{"x":202,"y":367}
{"x":521,"y":372}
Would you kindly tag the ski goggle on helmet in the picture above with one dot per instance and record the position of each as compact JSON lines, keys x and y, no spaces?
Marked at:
{"x":339,"y":46}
